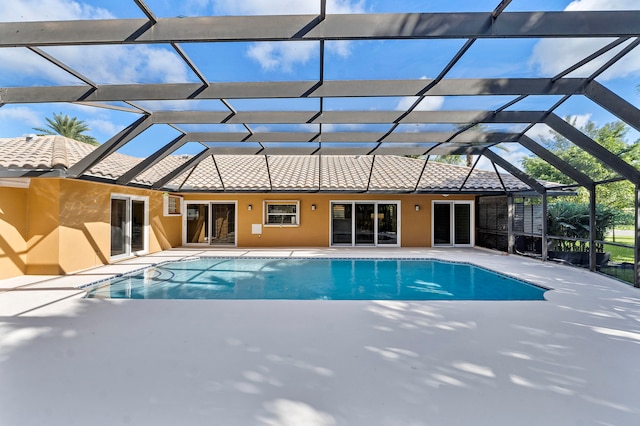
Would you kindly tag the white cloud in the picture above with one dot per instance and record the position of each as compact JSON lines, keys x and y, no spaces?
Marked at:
{"x":551,"y":56}
{"x":579,"y":120}
{"x":194,"y":7}
{"x":331,"y":127}
{"x":260,"y":129}
{"x":514,"y":156}
{"x":124,"y":64}
{"x":540,"y":132}
{"x":284,"y":56}
{"x":340,"y":48}
{"x":345,"y":6}
{"x":106,"y":127}
{"x":50,"y":10}
{"x":289,"y":7}
{"x":429,"y":103}
{"x":183,"y":105}
{"x":20,"y":114}
{"x":602,"y":5}
{"x":102,"y":64}
{"x":22,"y":63}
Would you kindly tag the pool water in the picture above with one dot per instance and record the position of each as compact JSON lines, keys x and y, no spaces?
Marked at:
{"x":311,"y":279}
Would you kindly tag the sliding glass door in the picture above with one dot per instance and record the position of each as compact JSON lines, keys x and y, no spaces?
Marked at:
{"x":212,"y":223}
{"x":452,"y":223}
{"x":360,"y":223}
{"x":118,"y":227}
{"x":129,"y":225}
{"x":387,"y":231}
{"x":197,"y":224}
{"x":462,"y":224}
{"x":365,"y":224}
{"x":341,"y":224}
{"x":223,"y":223}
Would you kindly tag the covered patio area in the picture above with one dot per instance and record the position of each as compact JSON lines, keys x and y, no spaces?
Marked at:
{"x":567,"y":360}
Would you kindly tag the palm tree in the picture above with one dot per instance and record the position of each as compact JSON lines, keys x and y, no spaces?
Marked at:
{"x":69,"y":127}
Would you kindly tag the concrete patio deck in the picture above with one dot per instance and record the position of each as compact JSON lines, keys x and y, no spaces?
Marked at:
{"x":570,"y":360}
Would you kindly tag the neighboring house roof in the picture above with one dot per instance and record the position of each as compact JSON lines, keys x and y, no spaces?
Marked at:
{"x":237,"y":173}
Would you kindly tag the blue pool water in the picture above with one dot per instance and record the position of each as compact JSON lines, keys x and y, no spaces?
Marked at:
{"x":310,"y":279}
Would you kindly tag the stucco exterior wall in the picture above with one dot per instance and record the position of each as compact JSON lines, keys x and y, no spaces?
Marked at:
{"x":85,"y":223}
{"x":314,"y":227}
{"x":43,"y":230}
{"x":13,"y":231}
{"x":60,"y":226}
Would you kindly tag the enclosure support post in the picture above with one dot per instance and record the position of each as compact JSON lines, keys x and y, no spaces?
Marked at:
{"x":592,"y":228}
{"x":544,"y":244}
{"x":510,"y":237}
{"x":636,"y":242}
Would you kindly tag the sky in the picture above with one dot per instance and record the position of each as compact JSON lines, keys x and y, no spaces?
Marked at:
{"x":283,"y":61}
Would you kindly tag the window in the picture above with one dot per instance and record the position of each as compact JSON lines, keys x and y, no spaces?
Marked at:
{"x":172,"y":205}
{"x":283,"y":213}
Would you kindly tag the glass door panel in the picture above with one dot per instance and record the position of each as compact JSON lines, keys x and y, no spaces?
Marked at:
{"x":341,"y":226}
{"x":387,"y":224}
{"x":223,"y":226}
{"x":118,"y":227}
{"x":442,"y":223}
{"x":197,"y":223}
{"x":462,"y":227}
{"x":365,"y":222}
{"x":137,"y":225}
{"x":357,"y":223}
{"x":128,"y":226}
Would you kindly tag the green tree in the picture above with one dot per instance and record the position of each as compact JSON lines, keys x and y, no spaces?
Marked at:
{"x":69,"y":127}
{"x":611,"y":136}
{"x":567,"y":219}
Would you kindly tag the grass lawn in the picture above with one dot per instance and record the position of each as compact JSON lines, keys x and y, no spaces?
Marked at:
{"x":620,"y":254}
{"x":621,"y":273}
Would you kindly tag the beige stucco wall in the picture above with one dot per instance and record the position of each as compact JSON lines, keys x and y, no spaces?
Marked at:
{"x":13,"y":231}
{"x":59,"y":226}
{"x":313,"y":230}
{"x":43,"y":232}
{"x":85,"y":223}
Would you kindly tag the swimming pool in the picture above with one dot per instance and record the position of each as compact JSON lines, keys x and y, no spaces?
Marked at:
{"x":310,"y":279}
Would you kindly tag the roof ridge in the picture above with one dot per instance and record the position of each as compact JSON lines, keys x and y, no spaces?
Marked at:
{"x":59,"y":159}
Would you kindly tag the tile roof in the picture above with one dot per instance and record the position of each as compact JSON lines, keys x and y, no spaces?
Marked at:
{"x":21,"y":153}
{"x":291,"y":172}
{"x":261,"y":173}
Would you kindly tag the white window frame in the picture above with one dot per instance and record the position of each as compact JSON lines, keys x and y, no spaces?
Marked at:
{"x":296,"y":215}
{"x":145,"y":228}
{"x":179,"y":203}
{"x":452,"y":222}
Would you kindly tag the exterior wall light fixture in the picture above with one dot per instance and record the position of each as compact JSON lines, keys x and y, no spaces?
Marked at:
{"x":249,"y":207}
{"x":313,"y":206}
{"x":417,"y":207}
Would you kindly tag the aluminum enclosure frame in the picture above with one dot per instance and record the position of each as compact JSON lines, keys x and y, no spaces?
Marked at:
{"x":623,"y":26}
